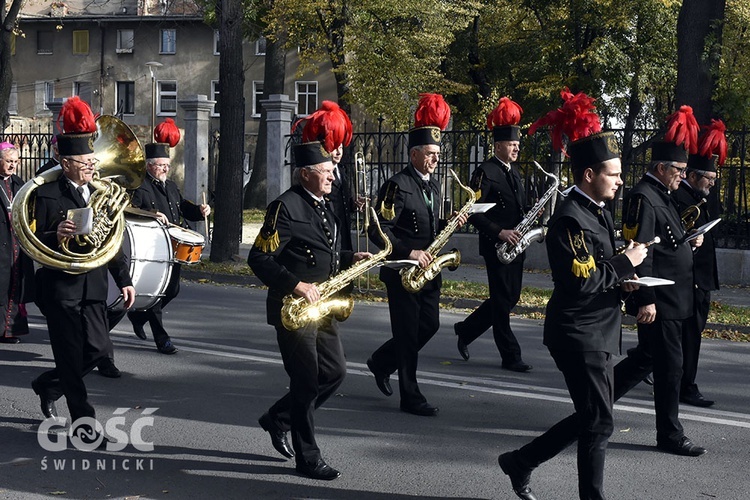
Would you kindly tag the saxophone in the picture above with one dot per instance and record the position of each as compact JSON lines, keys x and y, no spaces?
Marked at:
{"x":414,"y":278}
{"x":529,"y":234}
{"x":297,"y":312}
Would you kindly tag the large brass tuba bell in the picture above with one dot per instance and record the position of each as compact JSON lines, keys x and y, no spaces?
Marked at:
{"x":122,"y":166}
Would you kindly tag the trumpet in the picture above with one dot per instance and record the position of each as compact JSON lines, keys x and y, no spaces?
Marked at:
{"x":690,"y":215}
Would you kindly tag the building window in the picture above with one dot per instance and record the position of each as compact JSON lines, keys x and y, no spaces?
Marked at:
{"x":216,"y":42}
{"x":125,"y":97}
{"x":260,"y":46}
{"x":168,"y":44}
{"x":44,"y":92}
{"x":216,"y":96}
{"x":307,"y":97}
{"x":257,"y":96}
{"x":125,"y":41}
{"x":49,"y":93}
{"x":166,"y":98}
{"x":80,"y":41}
{"x":44,"y":42}
{"x":13,"y":100}
{"x":83,"y":90}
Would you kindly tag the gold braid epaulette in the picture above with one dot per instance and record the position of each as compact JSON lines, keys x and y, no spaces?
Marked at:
{"x":583,"y":263}
{"x":267,"y":240}
{"x":630,"y":220}
{"x":387,"y":209}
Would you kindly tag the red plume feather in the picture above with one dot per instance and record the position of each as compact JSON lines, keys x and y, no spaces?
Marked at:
{"x":682,"y":129}
{"x":167,"y":132}
{"x":714,"y":142}
{"x":76,"y":116}
{"x":329,"y":124}
{"x":575,"y":119}
{"x":507,"y":112}
{"x":432,"y":111}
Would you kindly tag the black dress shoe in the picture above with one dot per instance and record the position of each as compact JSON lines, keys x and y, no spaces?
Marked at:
{"x":463,"y":349}
{"x":278,"y":437}
{"x":696,"y":399}
{"x":139,"y":331}
{"x":166,"y":348}
{"x":649,"y":380}
{"x":682,"y":446}
{"x":49,"y":410}
{"x":519,"y":477}
{"x":319,"y":470}
{"x":383,"y":380}
{"x":423,"y":409}
{"x":108,"y":369}
{"x":10,"y":340}
{"x":517,"y":366}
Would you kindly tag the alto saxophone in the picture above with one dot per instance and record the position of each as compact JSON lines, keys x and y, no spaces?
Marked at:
{"x":529,"y":234}
{"x":297,"y":312}
{"x":414,"y":278}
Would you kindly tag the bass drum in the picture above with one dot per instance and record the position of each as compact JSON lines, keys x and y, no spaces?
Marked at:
{"x":148,"y":249}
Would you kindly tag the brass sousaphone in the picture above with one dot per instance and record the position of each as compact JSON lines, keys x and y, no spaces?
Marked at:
{"x":122,"y":166}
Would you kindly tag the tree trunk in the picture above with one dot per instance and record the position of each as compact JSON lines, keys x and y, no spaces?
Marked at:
{"x":699,"y":31}
{"x":227,"y":231}
{"x":8,"y":22}
{"x":273,"y":83}
{"x":477,"y":70}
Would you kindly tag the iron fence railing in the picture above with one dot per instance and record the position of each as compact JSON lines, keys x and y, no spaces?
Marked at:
{"x":34,"y":144}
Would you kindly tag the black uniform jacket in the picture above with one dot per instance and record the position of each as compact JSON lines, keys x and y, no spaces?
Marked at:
{"x":705,"y":269}
{"x":6,"y":251}
{"x":150,"y":195}
{"x":650,"y":211}
{"x":491,"y":181}
{"x":307,"y":250}
{"x":341,"y":201}
{"x":53,"y":200}
{"x":414,"y":224}
{"x":583,"y":313}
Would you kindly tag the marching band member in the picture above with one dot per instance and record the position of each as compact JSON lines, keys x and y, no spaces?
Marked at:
{"x":582,"y":329}
{"x":408,"y":215}
{"x":649,"y":211}
{"x":159,"y":194}
{"x":300,"y":245}
{"x":498,"y":181}
{"x":74,"y":304}
{"x":693,"y":190}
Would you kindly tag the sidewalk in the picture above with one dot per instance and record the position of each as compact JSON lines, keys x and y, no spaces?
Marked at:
{"x":728,"y":295}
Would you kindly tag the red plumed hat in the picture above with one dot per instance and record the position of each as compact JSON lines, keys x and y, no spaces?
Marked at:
{"x":504,"y":120}
{"x":166,"y":135}
{"x":681,"y":138}
{"x":430,"y":118}
{"x":575,"y":119}
{"x":78,"y":128}
{"x":329,"y":124}
{"x":714,"y":141}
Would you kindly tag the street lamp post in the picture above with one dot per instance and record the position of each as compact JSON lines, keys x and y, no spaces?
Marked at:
{"x":152,"y":67}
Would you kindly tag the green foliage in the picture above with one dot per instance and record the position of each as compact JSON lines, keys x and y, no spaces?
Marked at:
{"x":733,"y":92}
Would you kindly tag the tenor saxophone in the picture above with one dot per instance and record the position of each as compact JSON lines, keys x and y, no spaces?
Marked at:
{"x":529,"y":234}
{"x":297,"y":312}
{"x":414,"y":278}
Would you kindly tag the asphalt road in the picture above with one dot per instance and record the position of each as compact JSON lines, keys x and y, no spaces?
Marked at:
{"x":208,"y":397}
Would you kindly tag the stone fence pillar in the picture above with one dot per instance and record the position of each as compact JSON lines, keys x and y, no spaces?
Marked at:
{"x":279,"y":111}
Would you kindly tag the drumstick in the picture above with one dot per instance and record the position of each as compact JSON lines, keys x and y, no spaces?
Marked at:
{"x":205,"y":218}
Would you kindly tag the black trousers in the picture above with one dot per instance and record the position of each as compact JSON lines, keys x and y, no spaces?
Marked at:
{"x":314,"y":360}
{"x":628,"y":373}
{"x":153,"y":316}
{"x":505,"y":290}
{"x":415,"y":318}
{"x":692,"y":329}
{"x":80,"y":339}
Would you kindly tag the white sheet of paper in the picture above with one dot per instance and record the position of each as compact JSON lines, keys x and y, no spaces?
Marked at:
{"x":650,"y":281}
{"x":703,"y":229}
{"x":398,"y":264}
{"x":480,"y":208}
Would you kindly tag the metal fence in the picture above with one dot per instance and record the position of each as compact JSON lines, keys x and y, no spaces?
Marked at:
{"x":386,"y":152}
{"x":33,"y":143}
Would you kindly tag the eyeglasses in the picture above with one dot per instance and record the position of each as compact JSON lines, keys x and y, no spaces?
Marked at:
{"x":324,"y":173}
{"x":165,"y":166}
{"x":90,"y":163}
{"x":681,"y":170}
{"x":711,"y":180}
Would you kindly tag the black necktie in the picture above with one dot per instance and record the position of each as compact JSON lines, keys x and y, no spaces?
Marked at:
{"x":80,"y":193}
